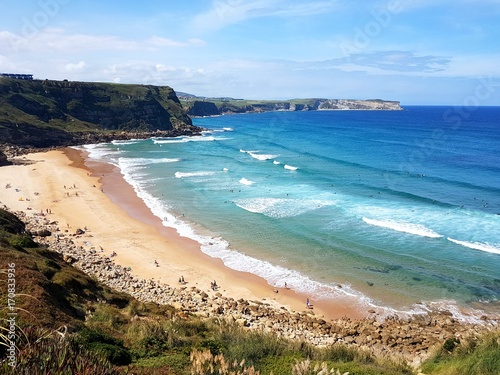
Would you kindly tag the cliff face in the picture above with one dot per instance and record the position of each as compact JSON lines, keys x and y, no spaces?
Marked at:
{"x":219,"y":107}
{"x":49,"y":113}
{"x":375,"y":104}
{"x":200,"y":108}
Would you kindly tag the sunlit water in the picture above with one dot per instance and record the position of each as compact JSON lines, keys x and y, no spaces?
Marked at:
{"x":397,"y":207}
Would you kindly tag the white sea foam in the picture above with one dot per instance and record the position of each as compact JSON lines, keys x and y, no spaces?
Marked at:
{"x":193,"y":174}
{"x":290,"y":167}
{"x":280,"y":207}
{"x":244,"y":181}
{"x":261,"y":157}
{"x":217,"y":130}
{"x":401,"y":226}
{"x":276,"y":162}
{"x":128,"y":142}
{"x":148,"y":161}
{"x":490,"y":248}
{"x":99,"y":151}
{"x":464,"y":314}
{"x":188,"y":139}
{"x":256,"y":155}
{"x":274,"y":274}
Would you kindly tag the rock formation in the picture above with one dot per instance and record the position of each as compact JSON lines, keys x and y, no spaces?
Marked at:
{"x":209,"y":107}
{"x":59,"y":113}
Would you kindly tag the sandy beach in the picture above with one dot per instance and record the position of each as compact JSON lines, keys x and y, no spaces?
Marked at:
{"x":94,"y":197}
{"x":90,"y":213}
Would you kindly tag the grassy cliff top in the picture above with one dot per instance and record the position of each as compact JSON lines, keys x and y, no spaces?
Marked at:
{"x":57,"y":109}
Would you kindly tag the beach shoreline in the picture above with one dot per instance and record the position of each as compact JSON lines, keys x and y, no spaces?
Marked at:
{"x":98,"y":224}
{"x":127,"y":227}
{"x":122,"y":193}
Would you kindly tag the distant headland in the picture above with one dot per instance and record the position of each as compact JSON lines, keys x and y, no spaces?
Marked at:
{"x":204,"y":106}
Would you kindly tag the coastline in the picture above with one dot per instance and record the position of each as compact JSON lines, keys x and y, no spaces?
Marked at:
{"x":59,"y":192}
{"x":119,"y":221}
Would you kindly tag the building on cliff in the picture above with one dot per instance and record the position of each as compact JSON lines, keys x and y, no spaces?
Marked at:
{"x":17,"y":76}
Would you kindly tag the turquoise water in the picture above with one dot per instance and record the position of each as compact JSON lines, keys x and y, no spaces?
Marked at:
{"x":398,"y":207}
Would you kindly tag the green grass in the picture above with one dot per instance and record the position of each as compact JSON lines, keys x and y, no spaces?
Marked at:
{"x":479,"y":356}
{"x":50,"y":112}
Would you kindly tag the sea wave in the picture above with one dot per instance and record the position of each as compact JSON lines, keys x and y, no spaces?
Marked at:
{"x":98,"y":151}
{"x":193,"y":174}
{"x":148,"y":161}
{"x":188,"y":139}
{"x":489,"y":248}
{"x":256,"y":155}
{"x":128,"y":142}
{"x":290,"y":167}
{"x":401,"y":226}
{"x":244,"y":181}
{"x":280,"y":207}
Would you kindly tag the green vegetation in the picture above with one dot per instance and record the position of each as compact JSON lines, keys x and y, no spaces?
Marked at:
{"x":50,"y":113}
{"x":477,"y":356}
{"x":69,"y":323}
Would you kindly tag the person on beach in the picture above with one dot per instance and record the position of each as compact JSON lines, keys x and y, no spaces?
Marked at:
{"x":308,"y":303}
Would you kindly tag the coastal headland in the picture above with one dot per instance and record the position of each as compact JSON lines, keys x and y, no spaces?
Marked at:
{"x":201,"y":106}
{"x":88,"y":213}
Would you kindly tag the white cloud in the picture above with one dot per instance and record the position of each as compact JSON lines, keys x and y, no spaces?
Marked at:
{"x":165,"y":42}
{"x":226,"y":12}
{"x":72,"y":68}
{"x":56,"y":39}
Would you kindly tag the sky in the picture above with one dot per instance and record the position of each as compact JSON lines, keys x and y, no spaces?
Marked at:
{"x":419,"y":52}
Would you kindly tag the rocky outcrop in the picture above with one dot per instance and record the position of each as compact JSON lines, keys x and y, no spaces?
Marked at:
{"x":201,"y":109}
{"x":3,"y":159}
{"x":350,"y":104}
{"x":57,"y":113}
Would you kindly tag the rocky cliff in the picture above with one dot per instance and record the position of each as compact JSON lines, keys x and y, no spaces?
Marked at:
{"x":342,"y":104}
{"x":211,"y":107}
{"x":54,"y":113}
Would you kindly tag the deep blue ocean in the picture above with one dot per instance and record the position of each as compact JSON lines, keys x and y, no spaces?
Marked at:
{"x":400,"y":209}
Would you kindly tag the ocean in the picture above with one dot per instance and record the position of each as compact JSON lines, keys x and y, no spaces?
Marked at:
{"x":394,"y":209}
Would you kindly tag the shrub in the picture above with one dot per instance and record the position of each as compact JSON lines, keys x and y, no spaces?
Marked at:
{"x":474,"y":356}
{"x":450,"y":344}
{"x":56,"y":353}
{"x":108,"y":347}
{"x":115,"y":354}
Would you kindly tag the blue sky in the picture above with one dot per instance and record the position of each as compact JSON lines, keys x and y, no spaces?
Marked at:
{"x":416,"y":51}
